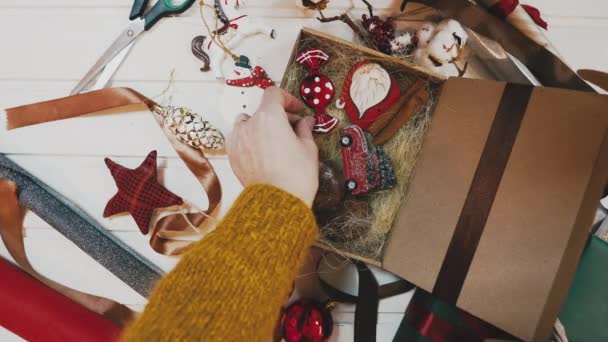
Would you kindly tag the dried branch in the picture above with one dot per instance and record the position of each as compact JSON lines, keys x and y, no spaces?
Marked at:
{"x":345,"y":18}
{"x":369,"y":8}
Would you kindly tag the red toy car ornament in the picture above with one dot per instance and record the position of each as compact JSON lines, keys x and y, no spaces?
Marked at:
{"x":365,"y":167}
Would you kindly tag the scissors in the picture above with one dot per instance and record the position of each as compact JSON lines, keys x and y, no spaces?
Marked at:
{"x":111,"y":59}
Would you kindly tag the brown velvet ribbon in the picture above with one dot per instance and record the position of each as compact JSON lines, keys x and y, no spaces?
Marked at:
{"x":11,"y":231}
{"x":482,"y":192}
{"x":172,"y":234}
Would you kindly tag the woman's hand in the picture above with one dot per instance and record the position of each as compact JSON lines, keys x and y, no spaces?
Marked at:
{"x":266,"y":148}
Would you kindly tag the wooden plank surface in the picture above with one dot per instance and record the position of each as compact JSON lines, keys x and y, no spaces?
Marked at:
{"x":47,"y":45}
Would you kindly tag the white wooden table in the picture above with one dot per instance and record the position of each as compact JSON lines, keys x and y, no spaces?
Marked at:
{"x":47,"y":45}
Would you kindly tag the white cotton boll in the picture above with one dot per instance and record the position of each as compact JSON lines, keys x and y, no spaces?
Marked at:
{"x":445,"y":70}
{"x":421,"y":59}
{"x":425,"y":33}
{"x":443,"y":47}
{"x":455,"y":29}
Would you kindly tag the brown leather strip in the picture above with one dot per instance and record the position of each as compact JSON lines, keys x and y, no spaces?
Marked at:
{"x":482,"y":192}
{"x":11,"y":231}
{"x":173,"y":234}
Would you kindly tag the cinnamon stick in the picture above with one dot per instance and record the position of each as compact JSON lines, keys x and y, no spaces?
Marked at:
{"x":385,"y":119}
{"x":417,"y":99}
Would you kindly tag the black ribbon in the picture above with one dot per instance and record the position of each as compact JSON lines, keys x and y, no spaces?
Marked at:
{"x":367,"y":300}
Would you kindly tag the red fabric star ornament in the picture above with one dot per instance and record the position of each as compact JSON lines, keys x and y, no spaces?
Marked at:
{"x":139,"y":192}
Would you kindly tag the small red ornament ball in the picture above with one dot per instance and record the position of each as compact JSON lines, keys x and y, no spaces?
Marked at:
{"x":307,"y":321}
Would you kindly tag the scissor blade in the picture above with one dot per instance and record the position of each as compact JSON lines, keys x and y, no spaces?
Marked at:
{"x":124,"y":39}
{"x":110,"y":69}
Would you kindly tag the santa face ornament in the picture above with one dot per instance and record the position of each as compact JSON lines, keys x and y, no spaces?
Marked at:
{"x":317,"y":90}
{"x":367,"y":92}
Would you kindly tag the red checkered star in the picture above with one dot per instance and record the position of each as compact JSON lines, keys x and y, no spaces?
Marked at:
{"x":139,"y":192}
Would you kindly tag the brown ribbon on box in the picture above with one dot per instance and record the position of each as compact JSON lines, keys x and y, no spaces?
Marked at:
{"x":548,"y":68}
{"x":170,"y":235}
{"x":479,"y":200}
{"x":11,"y":231}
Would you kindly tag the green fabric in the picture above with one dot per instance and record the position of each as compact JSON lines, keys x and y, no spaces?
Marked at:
{"x":585,"y":313}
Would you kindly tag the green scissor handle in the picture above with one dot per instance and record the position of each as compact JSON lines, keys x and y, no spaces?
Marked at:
{"x":164,"y":8}
{"x":137,"y":11}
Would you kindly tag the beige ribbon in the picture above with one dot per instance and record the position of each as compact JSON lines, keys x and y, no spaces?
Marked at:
{"x":173,"y":234}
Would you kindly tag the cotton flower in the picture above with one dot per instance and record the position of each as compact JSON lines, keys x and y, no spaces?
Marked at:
{"x":439,"y":46}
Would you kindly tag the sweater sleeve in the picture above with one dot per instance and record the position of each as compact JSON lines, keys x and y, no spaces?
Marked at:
{"x":231,"y":285}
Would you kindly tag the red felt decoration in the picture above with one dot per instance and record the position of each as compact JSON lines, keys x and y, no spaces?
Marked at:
{"x":367,"y":92}
{"x":139,"y":192}
{"x":258,"y":78}
{"x":317,"y":90}
{"x":307,"y":321}
{"x":503,"y":8}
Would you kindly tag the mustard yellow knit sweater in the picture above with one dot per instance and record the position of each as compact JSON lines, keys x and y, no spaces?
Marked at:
{"x":230,"y":286}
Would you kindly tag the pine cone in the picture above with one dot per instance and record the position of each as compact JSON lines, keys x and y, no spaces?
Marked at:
{"x":190,"y":128}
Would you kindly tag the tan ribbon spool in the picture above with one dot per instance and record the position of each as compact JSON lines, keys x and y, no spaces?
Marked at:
{"x":11,"y":231}
{"x":173,"y":234}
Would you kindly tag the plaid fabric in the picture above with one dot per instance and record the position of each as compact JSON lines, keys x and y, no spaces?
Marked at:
{"x":139,"y":192}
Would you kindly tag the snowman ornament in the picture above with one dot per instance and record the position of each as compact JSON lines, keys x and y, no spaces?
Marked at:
{"x":244,"y":92}
{"x":238,"y":27}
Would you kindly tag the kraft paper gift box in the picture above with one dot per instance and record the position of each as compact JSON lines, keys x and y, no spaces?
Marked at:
{"x":501,"y":200}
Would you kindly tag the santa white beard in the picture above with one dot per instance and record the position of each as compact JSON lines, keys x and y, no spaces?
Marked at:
{"x":370,"y":85}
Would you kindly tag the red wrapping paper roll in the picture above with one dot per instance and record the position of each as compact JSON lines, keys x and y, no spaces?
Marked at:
{"x":36,"y":312}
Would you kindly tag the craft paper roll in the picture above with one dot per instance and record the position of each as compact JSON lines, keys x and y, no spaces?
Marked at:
{"x":135,"y":270}
{"x":36,"y":312}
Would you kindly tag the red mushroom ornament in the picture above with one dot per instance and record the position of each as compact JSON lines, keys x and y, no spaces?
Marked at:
{"x":317,"y":90}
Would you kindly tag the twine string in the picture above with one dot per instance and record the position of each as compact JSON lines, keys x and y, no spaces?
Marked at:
{"x":216,"y":38}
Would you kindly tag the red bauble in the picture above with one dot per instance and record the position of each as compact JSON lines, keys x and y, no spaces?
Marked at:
{"x":307,"y":321}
